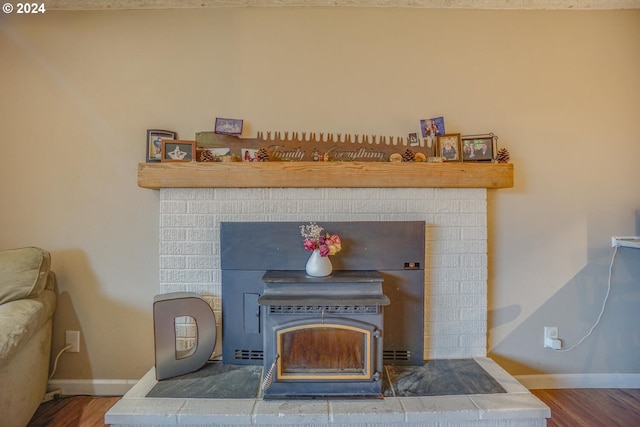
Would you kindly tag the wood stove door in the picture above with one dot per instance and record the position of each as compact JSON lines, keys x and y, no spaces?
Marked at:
{"x":329,"y":349}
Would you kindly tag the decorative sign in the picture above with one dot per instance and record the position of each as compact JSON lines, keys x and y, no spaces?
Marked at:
{"x":296,"y":147}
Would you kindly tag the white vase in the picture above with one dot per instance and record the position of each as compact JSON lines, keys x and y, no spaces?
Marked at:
{"x":318,"y":266}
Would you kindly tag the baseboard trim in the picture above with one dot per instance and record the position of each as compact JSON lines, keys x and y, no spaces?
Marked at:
{"x":92,"y":387}
{"x":548,"y":381}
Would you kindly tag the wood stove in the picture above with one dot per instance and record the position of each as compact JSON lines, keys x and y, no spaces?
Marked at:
{"x":323,"y":336}
{"x":265,"y":294}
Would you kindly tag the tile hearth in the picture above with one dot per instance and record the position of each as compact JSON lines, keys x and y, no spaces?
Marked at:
{"x":515,"y":406}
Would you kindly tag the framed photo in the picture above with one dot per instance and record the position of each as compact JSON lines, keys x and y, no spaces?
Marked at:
{"x":214,"y":154}
{"x":479,"y":148}
{"x":449,"y":147}
{"x":249,"y":154}
{"x":228,"y":126}
{"x":432,"y":127}
{"x":154,"y":143}
{"x":174,"y":150}
{"x":412,"y":139}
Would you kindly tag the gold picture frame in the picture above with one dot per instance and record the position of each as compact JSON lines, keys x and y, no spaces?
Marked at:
{"x":450,"y":147}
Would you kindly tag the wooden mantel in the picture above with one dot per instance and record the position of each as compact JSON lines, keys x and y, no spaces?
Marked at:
{"x":324,"y":175}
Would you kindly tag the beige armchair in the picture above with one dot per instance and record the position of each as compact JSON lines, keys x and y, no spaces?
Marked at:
{"x":27,"y":304}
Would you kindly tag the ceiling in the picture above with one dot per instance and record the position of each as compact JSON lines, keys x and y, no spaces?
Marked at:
{"x":446,"y":4}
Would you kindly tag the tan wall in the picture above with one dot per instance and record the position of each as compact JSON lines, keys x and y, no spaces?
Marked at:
{"x":79,"y":89}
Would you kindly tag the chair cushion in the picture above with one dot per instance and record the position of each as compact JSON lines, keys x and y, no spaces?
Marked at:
{"x":23,"y":273}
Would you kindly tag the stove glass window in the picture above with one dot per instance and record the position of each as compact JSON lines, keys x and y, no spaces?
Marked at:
{"x":323,"y":351}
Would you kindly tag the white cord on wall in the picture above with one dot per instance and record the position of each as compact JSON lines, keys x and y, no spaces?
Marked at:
{"x":604,"y":303}
{"x":55,"y":363}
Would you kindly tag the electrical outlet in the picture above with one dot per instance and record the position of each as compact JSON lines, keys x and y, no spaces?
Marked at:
{"x":551,"y":332}
{"x":72,"y":338}
{"x":551,"y":337}
{"x":625,"y":241}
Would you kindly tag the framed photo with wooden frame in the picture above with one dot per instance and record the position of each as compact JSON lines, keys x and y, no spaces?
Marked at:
{"x":174,"y":150}
{"x":154,"y":143}
{"x":450,"y":147}
{"x":479,"y":148}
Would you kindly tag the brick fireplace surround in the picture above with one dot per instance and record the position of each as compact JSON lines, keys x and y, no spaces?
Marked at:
{"x":455,"y":301}
{"x":456,"y":247}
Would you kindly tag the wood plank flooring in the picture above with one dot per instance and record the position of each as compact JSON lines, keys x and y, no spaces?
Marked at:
{"x":73,"y":411}
{"x":592,"y":407}
{"x":569,"y":408}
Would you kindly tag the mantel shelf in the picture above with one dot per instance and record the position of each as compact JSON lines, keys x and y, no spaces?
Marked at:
{"x":324,"y":175}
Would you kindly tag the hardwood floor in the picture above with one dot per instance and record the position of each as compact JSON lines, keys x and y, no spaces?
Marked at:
{"x":73,"y":411}
{"x":592,"y":407}
{"x":569,"y":408}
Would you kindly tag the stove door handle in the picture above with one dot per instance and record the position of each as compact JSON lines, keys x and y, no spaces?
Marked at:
{"x":378,"y":343}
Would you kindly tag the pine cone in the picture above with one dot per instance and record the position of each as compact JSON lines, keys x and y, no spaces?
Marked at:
{"x":408,"y":156}
{"x":207,"y":156}
{"x":263,"y":156}
{"x":503,"y":156}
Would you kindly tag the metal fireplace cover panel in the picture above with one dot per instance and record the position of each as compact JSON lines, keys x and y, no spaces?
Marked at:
{"x":249,"y":249}
{"x":366,"y":245}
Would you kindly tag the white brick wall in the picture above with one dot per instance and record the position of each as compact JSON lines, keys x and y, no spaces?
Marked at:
{"x":456,"y":258}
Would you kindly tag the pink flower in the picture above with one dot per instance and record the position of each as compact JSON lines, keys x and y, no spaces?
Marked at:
{"x":310,"y":245}
{"x":324,"y":250}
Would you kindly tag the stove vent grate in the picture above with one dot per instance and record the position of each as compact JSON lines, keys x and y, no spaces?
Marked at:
{"x":248,"y":355}
{"x":396,"y":355}
{"x":327,"y":309}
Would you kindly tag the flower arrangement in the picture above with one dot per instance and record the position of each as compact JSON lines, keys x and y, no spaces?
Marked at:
{"x":315,"y":238}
